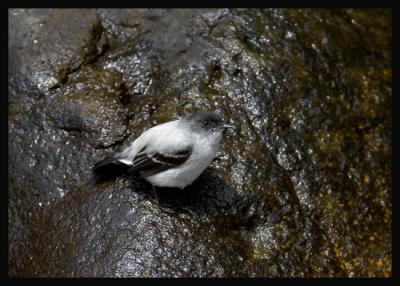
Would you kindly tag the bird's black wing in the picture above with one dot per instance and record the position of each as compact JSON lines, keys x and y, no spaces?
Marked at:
{"x":110,"y":166}
{"x":150,"y":163}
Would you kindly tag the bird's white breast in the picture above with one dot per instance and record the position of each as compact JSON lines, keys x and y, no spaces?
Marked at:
{"x":204,"y":151}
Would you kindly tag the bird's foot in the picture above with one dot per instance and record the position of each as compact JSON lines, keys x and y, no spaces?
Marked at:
{"x":158,"y":202}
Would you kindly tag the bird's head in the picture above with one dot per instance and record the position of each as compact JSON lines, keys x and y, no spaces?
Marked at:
{"x":207,"y":122}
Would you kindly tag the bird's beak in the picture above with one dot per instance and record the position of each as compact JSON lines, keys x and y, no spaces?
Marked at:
{"x":227,"y":126}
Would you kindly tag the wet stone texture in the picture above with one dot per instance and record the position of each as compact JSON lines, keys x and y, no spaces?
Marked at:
{"x":302,"y":187}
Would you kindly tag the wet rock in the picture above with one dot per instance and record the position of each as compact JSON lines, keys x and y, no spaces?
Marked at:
{"x":302,"y":187}
{"x":55,"y":43}
{"x":91,"y":106}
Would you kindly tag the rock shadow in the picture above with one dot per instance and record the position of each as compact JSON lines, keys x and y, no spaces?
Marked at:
{"x":209,"y":194}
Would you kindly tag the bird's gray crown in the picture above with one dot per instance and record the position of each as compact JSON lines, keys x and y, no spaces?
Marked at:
{"x":205,"y":121}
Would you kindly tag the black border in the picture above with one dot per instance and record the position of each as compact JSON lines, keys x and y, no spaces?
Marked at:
{"x":203,"y":4}
{"x":222,"y":4}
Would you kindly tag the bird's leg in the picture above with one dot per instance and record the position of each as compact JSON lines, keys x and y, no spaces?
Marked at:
{"x":158,"y":202}
{"x":155,"y":195}
{"x":216,"y":159}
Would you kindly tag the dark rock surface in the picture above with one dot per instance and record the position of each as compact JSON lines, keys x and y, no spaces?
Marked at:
{"x":302,"y":187}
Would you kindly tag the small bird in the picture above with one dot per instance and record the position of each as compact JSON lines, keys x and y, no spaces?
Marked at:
{"x":171,"y":154}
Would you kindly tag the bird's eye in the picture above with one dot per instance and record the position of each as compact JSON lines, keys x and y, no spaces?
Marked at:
{"x":205,"y":123}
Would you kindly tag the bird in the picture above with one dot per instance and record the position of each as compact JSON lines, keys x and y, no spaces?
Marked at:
{"x":172,"y":154}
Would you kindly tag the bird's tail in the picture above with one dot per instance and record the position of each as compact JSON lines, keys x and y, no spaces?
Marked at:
{"x":110,"y":166}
